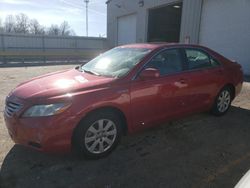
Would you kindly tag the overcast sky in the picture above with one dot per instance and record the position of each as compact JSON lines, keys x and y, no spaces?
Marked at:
{"x":49,"y":12}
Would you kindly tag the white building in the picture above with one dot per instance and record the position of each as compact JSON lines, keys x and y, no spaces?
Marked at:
{"x":223,"y":25}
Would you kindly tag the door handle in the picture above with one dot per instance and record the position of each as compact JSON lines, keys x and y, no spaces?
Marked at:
{"x":183,"y":81}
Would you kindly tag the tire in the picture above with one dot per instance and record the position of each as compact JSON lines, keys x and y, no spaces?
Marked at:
{"x":97,"y":135}
{"x":222,"y":102}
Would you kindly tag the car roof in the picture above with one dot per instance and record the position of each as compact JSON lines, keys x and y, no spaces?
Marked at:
{"x":154,"y":46}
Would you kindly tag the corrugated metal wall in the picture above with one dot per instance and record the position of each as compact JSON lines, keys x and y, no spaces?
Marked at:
{"x":11,"y":42}
{"x":32,"y":47}
{"x":190,"y":24}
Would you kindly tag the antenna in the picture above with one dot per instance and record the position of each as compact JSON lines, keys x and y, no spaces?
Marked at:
{"x":87,"y":20}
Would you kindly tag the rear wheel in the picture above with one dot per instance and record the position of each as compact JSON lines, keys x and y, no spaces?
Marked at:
{"x":97,"y":135}
{"x":222,"y":102}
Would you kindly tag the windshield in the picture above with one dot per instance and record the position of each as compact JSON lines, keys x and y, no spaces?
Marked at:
{"x":116,"y":62}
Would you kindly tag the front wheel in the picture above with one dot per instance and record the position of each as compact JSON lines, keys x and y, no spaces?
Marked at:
{"x":97,"y":135}
{"x":222,"y":102}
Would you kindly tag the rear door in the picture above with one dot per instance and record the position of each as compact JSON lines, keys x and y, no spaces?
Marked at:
{"x":204,"y":75}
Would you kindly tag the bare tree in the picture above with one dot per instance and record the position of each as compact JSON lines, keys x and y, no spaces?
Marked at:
{"x":72,"y":32}
{"x":54,"y":30}
{"x":1,"y":26}
{"x":35,"y":28}
{"x":22,"y":24}
{"x":65,"y":28}
{"x":9,"y":24}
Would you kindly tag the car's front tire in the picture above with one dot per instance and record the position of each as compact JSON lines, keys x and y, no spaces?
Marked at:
{"x":97,"y":135}
{"x":222,"y":102}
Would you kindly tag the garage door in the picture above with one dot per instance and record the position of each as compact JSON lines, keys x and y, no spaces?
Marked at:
{"x":127,"y":29}
{"x":225,"y":27}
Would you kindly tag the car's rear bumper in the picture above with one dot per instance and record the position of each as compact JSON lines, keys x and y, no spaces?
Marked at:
{"x":47,"y":134}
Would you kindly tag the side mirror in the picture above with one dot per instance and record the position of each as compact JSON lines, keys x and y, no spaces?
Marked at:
{"x":149,"y":73}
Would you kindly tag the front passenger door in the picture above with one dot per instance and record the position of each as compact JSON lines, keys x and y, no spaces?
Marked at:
{"x":155,"y":100}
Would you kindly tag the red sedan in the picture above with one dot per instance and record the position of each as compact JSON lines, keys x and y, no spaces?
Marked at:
{"x":126,"y":89}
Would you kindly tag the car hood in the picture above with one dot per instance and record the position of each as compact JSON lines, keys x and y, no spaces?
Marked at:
{"x":58,"y":83}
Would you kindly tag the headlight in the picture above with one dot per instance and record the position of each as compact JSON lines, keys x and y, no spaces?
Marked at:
{"x":46,"y":110}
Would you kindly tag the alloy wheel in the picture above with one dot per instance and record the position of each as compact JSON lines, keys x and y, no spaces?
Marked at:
{"x":100,"y":136}
{"x":223,"y":101}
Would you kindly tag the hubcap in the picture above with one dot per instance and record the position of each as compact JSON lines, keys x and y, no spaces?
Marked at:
{"x":100,"y":136}
{"x":224,"y":101}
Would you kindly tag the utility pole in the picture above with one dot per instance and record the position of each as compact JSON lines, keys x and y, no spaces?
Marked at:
{"x":87,"y":20}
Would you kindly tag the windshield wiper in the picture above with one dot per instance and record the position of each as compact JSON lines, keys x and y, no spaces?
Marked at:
{"x":78,"y":68}
{"x":91,"y":72}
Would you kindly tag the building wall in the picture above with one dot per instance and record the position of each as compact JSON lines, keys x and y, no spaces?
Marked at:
{"x":191,"y":14}
{"x":225,"y":27}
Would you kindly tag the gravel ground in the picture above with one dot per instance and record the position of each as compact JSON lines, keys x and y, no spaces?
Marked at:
{"x":198,"y":151}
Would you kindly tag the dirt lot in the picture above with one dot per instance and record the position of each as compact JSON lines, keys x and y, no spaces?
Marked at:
{"x":198,"y":151}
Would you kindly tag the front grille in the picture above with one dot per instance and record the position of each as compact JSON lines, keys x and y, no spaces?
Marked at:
{"x":11,"y":108}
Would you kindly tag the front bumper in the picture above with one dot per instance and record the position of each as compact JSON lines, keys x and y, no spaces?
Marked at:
{"x":48,"y":134}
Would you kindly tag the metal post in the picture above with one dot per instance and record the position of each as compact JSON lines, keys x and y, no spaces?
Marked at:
{"x":87,"y":20}
{"x":43,"y":46}
{"x":3,"y":47}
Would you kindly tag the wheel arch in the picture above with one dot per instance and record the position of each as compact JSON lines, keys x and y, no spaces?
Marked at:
{"x":231,"y":87}
{"x":113,"y":109}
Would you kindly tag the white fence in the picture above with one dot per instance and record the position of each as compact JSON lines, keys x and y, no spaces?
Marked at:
{"x":57,"y":47}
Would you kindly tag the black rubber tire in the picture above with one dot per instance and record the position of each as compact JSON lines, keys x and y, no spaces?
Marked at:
{"x":78,"y":140}
{"x":215,"y":111}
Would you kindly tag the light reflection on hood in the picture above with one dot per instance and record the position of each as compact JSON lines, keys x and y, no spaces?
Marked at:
{"x":65,"y":83}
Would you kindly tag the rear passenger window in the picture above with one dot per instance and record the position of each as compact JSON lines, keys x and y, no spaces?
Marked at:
{"x":214,"y":62}
{"x":197,"y":59}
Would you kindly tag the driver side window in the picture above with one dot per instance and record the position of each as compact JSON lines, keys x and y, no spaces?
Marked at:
{"x":167,"y":62}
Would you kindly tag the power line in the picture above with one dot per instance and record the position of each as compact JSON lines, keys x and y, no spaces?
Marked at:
{"x":87,"y":3}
